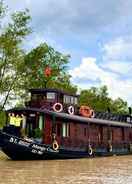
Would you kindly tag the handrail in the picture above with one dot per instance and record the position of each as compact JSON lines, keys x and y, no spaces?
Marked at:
{"x":113,"y":117}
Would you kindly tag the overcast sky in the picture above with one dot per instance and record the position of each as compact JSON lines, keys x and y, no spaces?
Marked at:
{"x":97,"y":35}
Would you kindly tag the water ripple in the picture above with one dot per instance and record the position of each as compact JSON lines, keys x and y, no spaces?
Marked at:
{"x":104,"y":170}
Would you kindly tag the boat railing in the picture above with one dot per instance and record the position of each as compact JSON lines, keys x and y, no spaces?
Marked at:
{"x":113,"y":117}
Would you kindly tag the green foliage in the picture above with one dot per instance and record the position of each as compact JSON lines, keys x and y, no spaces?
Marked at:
{"x":38,"y":133}
{"x":2,"y":118}
{"x":38,"y":59}
{"x":119,"y":106}
{"x":63,"y":83}
{"x":11,"y":54}
{"x":2,"y":9}
{"x":98,"y":99}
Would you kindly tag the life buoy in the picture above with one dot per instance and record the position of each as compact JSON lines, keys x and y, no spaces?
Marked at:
{"x":92,"y":113}
{"x":85,"y":111}
{"x":90,"y":150}
{"x":110,"y":148}
{"x":71,"y":110}
{"x":57,"y":107}
{"x":55,"y":145}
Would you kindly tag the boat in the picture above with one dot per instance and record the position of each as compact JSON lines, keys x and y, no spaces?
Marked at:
{"x":53,"y":126}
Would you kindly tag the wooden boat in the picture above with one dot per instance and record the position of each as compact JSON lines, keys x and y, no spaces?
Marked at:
{"x":54,"y":127}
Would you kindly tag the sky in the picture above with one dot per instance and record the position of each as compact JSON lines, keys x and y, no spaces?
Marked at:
{"x":97,"y":35}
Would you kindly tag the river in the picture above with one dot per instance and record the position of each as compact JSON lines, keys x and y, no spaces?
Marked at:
{"x":103,"y":170}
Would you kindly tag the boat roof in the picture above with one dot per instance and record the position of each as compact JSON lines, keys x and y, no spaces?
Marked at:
{"x":43,"y":90}
{"x":75,"y":118}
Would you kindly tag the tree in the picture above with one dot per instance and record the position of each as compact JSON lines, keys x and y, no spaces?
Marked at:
{"x":33,"y":72}
{"x":63,"y":82}
{"x":104,"y":100}
{"x":2,"y":9}
{"x":45,"y":57}
{"x":11,"y":54}
{"x":119,"y":106}
{"x":99,"y":100}
{"x":96,"y":98}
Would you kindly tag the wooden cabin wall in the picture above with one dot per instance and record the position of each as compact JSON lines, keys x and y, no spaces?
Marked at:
{"x":74,"y":132}
{"x":128,"y":134}
{"x":117,"y":134}
{"x":47,"y":130}
{"x":94,"y":133}
{"x":77,"y":135}
{"x":80,"y":134}
{"x":105,"y":136}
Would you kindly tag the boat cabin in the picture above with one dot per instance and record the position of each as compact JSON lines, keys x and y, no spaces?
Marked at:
{"x":46,"y":98}
{"x":37,"y":120}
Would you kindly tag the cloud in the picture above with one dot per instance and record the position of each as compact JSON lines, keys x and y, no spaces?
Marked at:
{"x":89,"y":72}
{"x":118,"y":49}
{"x":79,"y":17}
{"x":82,"y":23}
{"x":114,"y":70}
{"x":122,"y":68}
{"x":75,"y":17}
{"x":28,"y":2}
{"x":85,"y":70}
{"x":117,"y":56}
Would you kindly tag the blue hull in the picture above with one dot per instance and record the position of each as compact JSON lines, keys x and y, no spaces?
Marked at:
{"x":20,"y":149}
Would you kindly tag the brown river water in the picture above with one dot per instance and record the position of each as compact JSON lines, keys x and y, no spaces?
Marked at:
{"x":101,"y":170}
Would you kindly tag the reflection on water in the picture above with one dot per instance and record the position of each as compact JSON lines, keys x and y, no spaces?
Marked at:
{"x":105,"y":170}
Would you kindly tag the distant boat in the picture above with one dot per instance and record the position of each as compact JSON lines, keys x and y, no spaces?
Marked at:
{"x":53,"y":126}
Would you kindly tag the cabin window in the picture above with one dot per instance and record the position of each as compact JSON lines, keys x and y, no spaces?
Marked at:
{"x":65,"y":130}
{"x":40,"y":122}
{"x":24,"y":122}
{"x":37,"y":97}
{"x":34,"y":97}
{"x":75,"y":100}
{"x":67,"y":99}
{"x":72,"y":100}
{"x":64,"y":99}
{"x":50,"y":96}
{"x":110,"y":134}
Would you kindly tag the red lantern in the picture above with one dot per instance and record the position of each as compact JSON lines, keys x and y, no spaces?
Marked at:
{"x":47,"y":71}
